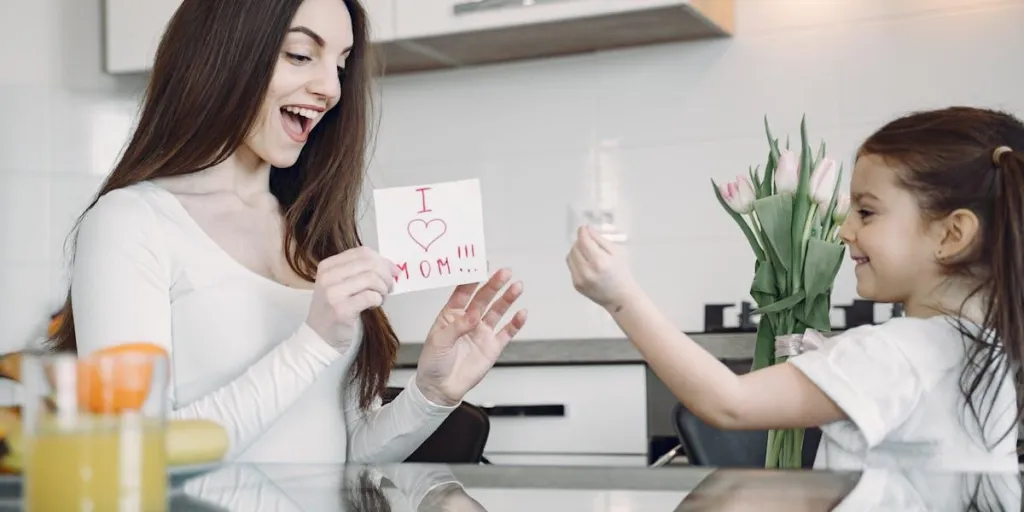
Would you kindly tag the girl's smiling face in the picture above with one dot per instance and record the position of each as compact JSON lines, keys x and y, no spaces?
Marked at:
{"x":888,"y":237}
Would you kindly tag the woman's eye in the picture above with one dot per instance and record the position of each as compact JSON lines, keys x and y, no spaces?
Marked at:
{"x":298,"y":58}
{"x":864,"y":213}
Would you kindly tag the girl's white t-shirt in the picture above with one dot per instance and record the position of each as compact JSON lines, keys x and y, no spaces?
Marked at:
{"x":899,"y":385}
{"x":241,"y":353}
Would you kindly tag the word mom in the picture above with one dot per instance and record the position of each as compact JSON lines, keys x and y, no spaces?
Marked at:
{"x":440,"y":266}
{"x":426,"y":268}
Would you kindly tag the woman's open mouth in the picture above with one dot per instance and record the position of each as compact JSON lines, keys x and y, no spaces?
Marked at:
{"x":298,"y":121}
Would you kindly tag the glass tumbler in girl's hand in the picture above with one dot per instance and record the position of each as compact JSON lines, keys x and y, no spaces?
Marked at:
{"x":94,"y":430}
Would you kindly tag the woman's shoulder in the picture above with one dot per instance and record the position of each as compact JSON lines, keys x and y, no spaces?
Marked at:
{"x":136,"y":205}
{"x":133,"y":216}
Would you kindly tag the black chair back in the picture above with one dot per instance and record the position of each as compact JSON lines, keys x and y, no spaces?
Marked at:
{"x":460,"y":439}
{"x":706,"y":445}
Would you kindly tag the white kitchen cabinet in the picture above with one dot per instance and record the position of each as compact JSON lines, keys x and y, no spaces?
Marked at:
{"x":579,"y":414}
{"x":426,"y":18}
{"x":133,"y":28}
{"x":436,"y":34}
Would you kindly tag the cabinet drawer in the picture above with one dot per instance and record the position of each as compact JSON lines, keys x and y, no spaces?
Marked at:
{"x":425,"y":18}
{"x":599,"y":409}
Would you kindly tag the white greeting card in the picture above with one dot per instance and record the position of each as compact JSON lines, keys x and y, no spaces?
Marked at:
{"x":434,"y":233}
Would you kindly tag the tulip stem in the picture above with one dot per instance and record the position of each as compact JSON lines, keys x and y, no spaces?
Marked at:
{"x":758,"y":230}
{"x":833,"y":233}
{"x":808,"y":224}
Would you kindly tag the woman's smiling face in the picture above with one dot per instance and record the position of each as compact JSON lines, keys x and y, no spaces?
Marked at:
{"x":306,"y":81}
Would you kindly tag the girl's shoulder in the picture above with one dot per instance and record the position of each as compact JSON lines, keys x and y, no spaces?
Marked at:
{"x":930,"y":345}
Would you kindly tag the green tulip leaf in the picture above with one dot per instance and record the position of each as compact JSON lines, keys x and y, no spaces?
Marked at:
{"x":775,"y":214}
{"x":782,"y":305}
{"x":821,"y":266}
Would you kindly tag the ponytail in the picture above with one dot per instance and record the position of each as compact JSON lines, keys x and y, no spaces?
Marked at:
{"x":1005,"y":311}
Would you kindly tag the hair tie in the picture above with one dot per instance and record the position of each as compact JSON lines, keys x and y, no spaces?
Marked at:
{"x":999,"y":152}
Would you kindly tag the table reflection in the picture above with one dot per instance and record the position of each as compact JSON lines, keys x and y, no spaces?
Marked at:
{"x":406,"y":487}
{"x":872,"y":489}
{"x":435,"y":488}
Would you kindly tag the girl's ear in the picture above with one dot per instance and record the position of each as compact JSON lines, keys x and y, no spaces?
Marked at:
{"x":956,"y":234}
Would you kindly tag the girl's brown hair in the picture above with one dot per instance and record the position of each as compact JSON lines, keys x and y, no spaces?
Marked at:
{"x":215,"y":62}
{"x":971,"y":158}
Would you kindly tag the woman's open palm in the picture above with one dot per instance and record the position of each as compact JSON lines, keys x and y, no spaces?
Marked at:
{"x":465,"y":342}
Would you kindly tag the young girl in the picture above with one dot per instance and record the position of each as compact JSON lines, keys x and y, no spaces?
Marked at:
{"x":937,"y":224}
{"x":227,"y":234}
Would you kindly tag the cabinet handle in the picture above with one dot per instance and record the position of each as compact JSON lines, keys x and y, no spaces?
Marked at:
{"x":547,"y":410}
{"x":489,"y":5}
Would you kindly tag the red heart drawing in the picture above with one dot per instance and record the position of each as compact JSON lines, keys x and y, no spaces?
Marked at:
{"x":421,"y":232}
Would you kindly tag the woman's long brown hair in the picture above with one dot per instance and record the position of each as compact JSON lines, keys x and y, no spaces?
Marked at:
{"x":210,"y":77}
{"x":947,"y":158}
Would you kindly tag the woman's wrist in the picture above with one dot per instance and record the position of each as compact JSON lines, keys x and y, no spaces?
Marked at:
{"x":338,"y":338}
{"x":432,"y":392}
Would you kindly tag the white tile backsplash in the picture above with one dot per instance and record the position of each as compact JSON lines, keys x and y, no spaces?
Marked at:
{"x":27,"y":303}
{"x":24,"y":216}
{"x":663,"y":120}
{"x":27,"y":140}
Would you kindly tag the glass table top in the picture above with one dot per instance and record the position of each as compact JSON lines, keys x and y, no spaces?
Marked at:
{"x":498,"y":488}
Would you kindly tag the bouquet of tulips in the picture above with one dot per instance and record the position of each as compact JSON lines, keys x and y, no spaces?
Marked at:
{"x":791,"y":215}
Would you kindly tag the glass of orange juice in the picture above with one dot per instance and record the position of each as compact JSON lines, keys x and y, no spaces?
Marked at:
{"x":93,"y":430}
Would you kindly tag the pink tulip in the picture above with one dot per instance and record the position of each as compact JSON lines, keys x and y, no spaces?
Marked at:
{"x":739,"y":195}
{"x":787,"y":173}
{"x":823,"y":181}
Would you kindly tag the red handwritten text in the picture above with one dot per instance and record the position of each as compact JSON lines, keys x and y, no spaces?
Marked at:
{"x":466,"y":252}
{"x":423,"y":199}
{"x":437,"y":267}
{"x":427,"y":268}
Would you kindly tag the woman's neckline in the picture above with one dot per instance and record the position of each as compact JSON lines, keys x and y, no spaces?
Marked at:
{"x":199,"y":232}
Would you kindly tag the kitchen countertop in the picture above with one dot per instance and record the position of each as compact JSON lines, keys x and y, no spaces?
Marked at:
{"x":478,"y":488}
{"x":726,"y":346}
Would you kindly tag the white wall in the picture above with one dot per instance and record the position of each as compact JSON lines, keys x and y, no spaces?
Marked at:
{"x":668,"y":118}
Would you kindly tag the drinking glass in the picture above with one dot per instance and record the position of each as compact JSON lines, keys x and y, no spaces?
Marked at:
{"x":94,"y":430}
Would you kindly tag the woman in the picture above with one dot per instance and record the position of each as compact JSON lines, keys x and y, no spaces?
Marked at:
{"x":227,"y":234}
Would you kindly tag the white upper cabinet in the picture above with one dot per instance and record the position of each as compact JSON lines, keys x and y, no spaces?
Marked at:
{"x":133,"y":29}
{"x":426,"y":18}
{"x":433,"y":34}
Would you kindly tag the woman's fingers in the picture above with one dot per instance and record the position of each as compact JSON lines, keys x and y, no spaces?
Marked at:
{"x":486,"y":293}
{"x":503,"y":304}
{"x":511,"y":328}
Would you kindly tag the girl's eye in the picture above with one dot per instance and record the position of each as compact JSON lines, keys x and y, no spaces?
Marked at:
{"x":298,"y":58}
{"x":864,"y":213}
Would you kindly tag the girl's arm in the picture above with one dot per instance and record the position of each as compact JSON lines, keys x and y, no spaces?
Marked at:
{"x":872,"y":375}
{"x":777,"y":397}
